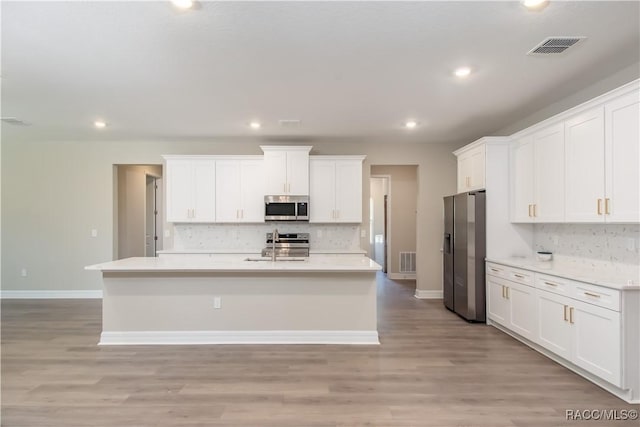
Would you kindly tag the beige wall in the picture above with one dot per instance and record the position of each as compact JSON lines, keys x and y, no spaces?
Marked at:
{"x":402,"y":207}
{"x":54,"y":193}
{"x":131,"y":201}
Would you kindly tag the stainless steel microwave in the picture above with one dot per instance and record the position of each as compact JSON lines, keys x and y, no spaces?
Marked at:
{"x":286,"y":208}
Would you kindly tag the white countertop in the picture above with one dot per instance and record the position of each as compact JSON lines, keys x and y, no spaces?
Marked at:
{"x":622,"y":277}
{"x":237,"y":263}
{"x":254,"y":251}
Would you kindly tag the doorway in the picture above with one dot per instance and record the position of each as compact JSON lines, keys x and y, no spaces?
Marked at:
{"x":379,"y":219}
{"x":138,"y":217}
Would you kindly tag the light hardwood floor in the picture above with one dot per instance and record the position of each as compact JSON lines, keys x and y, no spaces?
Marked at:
{"x":432,"y":369}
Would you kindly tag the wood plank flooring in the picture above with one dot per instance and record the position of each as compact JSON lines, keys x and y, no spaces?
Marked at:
{"x":432,"y":369}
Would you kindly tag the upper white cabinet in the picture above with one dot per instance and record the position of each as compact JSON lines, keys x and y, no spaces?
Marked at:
{"x":191,"y":189}
{"x":537,"y":176}
{"x":584,"y":166}
{"x":622,"y":154}
{"x":471,"y":167}
{"x":240,"y":190}
{"x":286,"y":170}
{"x":602,"y":160}
{"x":335,"y":189}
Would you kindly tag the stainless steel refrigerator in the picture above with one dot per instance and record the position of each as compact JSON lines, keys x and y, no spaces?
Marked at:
{"x":464,"y":250}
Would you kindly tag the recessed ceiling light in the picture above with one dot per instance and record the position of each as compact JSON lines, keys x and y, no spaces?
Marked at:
{"x":100,"y":124}
{"x":183,"y":4}
{"x":255,"y":125}
{"x":534,"y":4}
{"x":410,"y":124}
{"x":462,"y":72}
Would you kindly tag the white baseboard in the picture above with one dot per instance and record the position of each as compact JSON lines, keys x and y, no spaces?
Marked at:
{"x":401,"y":276}
{"x":9,"y":294}
{"x":238,"y":337}
{"x":428,"y":294}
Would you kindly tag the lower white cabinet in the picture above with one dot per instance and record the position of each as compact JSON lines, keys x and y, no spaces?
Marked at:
{"x":512,"y":305}
{"x":591,"y":327}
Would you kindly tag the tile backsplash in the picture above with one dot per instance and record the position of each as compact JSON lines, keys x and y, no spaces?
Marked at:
{"x":251,"y":237}
{"x":595,"y":243}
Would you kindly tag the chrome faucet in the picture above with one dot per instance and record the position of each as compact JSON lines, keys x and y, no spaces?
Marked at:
{"x":274,"y":239}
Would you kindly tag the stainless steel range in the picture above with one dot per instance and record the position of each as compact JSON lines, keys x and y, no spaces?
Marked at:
{"x":287,"y":245}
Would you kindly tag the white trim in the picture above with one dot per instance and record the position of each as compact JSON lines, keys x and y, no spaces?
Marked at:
{"x":238,"y":337}
{"x":9,"y":294}
{"x":401,"y":276}
{"x":428,"y":294}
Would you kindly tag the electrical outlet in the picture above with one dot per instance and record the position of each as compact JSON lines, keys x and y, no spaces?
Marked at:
{"x":319,"y":234}
{"x":363,"y":233}
{"x":23,"y":272}
{"x":167,"y":233}
{"x":217,"y":302}
{"x":94,"y":233}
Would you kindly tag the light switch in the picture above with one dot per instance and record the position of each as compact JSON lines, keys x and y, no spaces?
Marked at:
{"x":94,"y":233}
{"x":363,"y":233}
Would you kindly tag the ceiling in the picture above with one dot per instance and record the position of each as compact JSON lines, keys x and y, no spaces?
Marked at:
{"x":353,"y":70}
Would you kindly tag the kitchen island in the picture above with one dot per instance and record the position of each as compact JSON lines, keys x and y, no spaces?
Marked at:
{"x":239,"y":299}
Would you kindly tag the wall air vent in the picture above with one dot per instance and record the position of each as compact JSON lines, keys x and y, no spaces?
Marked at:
{"x":289,"y":123}
{"x":14,"y":121}
{"x":552,"y":45}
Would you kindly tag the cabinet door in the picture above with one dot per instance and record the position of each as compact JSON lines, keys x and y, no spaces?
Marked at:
{"x":548,"y":174}
{"x":554,"y":329}
{"x":584,"y":167}
{"x":498,"y":307}
{"x":179,"y":184}
{"x":204,"y":190}
{"x":522,"y":180}
{"x":228,"y":201}
{"x":252,"y":191}
{"x":597,"y":341}
{"x":478,"y":168}
{"x":348,"y":190}
{"x":523,"y":310}
{"x":464,"y":172}
{"x":275,"y":169}
{"x":322,"y":190}
{"x":622,"y":154}
{"x":298,"y":173}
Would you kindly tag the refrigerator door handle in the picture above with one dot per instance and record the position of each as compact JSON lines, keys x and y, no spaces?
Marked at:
{"x":447,"y":243}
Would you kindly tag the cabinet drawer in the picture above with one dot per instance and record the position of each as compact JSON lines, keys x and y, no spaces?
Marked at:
{"x":497,"y":270}
{"x":597,"y":295}
{"x":554,"y":284}
{"x":520,"y":276}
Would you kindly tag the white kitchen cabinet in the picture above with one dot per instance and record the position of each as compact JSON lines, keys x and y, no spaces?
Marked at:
{"x":512,"y":304}
{"x":537,"y":164}
{"x":471,"y":168}
{"x":585,"y":334}
{"x":554,"y":328}
{"x":239,"y":190}
{"x":286,"y":170}
{"x":622,"y":157}
{"x":584,"y":166}
{"x":602,"y":158}
{"x":335,"y":189}
{"x":190,"y":189}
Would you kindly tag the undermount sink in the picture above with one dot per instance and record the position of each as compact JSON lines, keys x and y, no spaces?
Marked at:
{"x":277,"y":260}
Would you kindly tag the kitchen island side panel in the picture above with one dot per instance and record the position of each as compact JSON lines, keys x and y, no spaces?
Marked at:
{"x":138,"y":302}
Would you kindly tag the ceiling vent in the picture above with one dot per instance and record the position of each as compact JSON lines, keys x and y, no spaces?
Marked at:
{"x":553,"y":45}
{"x":14,"y":121}
{"x":289,"y":123}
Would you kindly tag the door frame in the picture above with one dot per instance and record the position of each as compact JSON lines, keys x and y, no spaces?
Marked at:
{"x":387,"y":222}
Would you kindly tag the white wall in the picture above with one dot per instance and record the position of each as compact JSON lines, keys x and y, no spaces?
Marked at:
{"x":54,"y":193}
